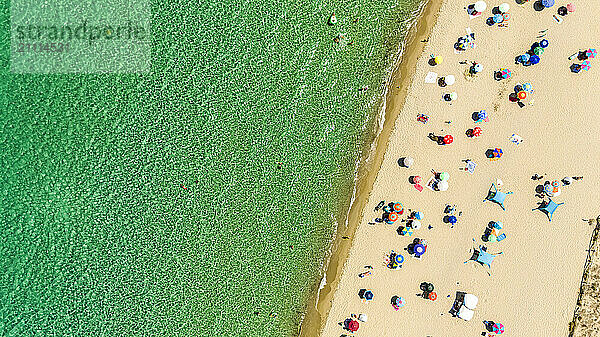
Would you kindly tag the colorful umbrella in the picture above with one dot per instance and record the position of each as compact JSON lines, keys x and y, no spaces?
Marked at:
{"x":591,"y":53}
{"x":544,"y":43}
{"x":407,"y":231}
{"x":585,"y":65}
{"x":400,"y":302}
{"x":524,"y":58}
{"x":393,"y":216}
{"x":522,"y":95}
{"x":538,"y":51}
{"x":419,"y":249}
{"x":417,"y":180}
{"x":368,"y":295}
{"x":506,"y":73}
{"x":498,"y":18}
{"x":448,"y":139}
{"x":452,"y":219}
{"x":398,"y":207}
{"x":476,"y":131}
{"x":497,"y":153}
{"x":548,"y":189}
{"x":506,"y":16}
{"x":419,"y":215}
{"x":498,"y":328}
{"x":399,"y":259}
{"x":432,"y":296}
{"x":534,"y":59}
{"x":555,"y":183}
{"x":527,"y":87}
{"x":477,"y":68}
{"x":548,"y":3}
{"x":353,"y":325}
{"x":571,"y":7}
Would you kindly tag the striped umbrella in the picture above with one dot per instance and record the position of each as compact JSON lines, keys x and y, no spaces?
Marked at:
{"x":498,"y":328}
{"x":585,"y":65}
{"x":591,"y":53}
{"x":476,"y":131}
{"x":497,"y":153}
{"x":400,"y":301}
{"x":506,"y":73}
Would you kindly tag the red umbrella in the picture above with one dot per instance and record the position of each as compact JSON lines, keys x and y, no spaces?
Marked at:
{"x":417,"y":180}
{"x":393,"y":216}
{"x":448,"y":139}
{"x":477,"y":131}
{"x":353,"y":325}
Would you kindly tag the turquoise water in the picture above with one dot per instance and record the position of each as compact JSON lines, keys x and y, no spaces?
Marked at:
{"x":181,"y":202}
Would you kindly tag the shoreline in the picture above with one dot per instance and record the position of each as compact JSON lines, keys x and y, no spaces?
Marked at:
{"x":319,"y":304}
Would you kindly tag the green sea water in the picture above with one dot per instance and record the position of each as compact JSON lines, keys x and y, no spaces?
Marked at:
{"x":183,"y":201}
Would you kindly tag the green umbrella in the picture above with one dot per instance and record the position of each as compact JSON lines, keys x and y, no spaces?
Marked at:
{"x":444,"y":176}
{"x":538,"y":51}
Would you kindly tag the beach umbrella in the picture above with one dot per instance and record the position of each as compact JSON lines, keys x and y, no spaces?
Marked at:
{"x":368,"y":295}
{"x":555,"y":183}
{"x":353,"y":325}
{"x":498,"y":18}
{"x":522,"y":95}
{"x":399,"y":259}
{"x":506,"y":73}
{"x":432,"y":296}
{"x":415,"y":224}
{"x":527,"y":87}
{"x":419,"y":215}
{"x":477,"y":131}
{"x":534,"y":59}
{"x":398,"y":207}
{"x":448,"y":139}
{"x":393,"y":216}
{"x":417,"y":180}
{"x":504,"y":7}
{"x":492,"y":238}
{"x":438,"y":60}
{"x":408,"y":161}
{"x":571,"y":7}
{"x":591,"y":53}
{"x":568,"y":180}
{"x":497,"y":153}
{"x":407,"y":231}
{"x":524,"y":58}
{"x":498,"y":328}
{"x":444,"y":176}
{"x":548,"y":189}
{"x":442,"y":186}
{"x":548,"y":3}
{"x":419,"y":249}
{"x":544,"y":43}
{"x":506,"y":16}
{"x":362,"y":317}
{"x":585,"y":65}
{"x":400,"y":302}
{"x":452,"y":219}
{"x":453,"y":95}
{"x":480,"y":6}
{"x":556,"y":191}
{"x":449,"y":79}
{"x":538,"y":51}
{"x":471,"y":166}
{"x":482,"y":115}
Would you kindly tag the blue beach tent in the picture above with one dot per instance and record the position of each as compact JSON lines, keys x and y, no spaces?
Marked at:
{"x":494,"y":195}
{"x":548,"y":208}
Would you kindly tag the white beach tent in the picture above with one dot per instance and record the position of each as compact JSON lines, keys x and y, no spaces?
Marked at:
{"x":465,"y":313}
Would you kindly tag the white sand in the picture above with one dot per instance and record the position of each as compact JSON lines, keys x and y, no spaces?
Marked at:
{"x":534,"y":284}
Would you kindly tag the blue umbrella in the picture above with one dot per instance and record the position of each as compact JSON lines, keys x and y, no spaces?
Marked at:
{"x":544,"y":43}
{"x":400,"y":302}
{"x":368,"y":295}
{"x":534,"y":59}
{"x":524,"y":58}
{"x":482,"y":114}
{"x":419,"y":250}
{"x":452,"y":219}
{"x":498,"y":18}
{"x":399,"y":258}
{"x":419,"y":215}
{"x":548,"y":3}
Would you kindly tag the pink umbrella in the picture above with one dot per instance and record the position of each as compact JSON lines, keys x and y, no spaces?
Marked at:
{"x":506,"y":73}
{"x":591,"y":53}
{"x":585,"y":65}
{"x":571,"y":7}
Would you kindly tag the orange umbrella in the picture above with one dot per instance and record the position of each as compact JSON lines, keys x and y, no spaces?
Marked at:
{"x":393,"y":216}
{"x":432,"y":296}
{"x":398,"y":207}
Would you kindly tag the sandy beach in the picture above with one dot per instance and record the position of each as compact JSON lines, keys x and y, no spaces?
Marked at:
{"x":534,"y":284}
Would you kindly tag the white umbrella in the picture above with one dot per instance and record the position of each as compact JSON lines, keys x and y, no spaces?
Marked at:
{"x":480,"y":6}
{"x":449,"y":79}
{"x":408,"y":161}
{"x":465,"y":313}
{"x":442,"y":185}
{"x":453,"y":95}
{"x":504,"y":7}
{"x":567,"y":180}
{"x":362,"y":317}
{"x":471,"y":301}
{"x":415,"y":224}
